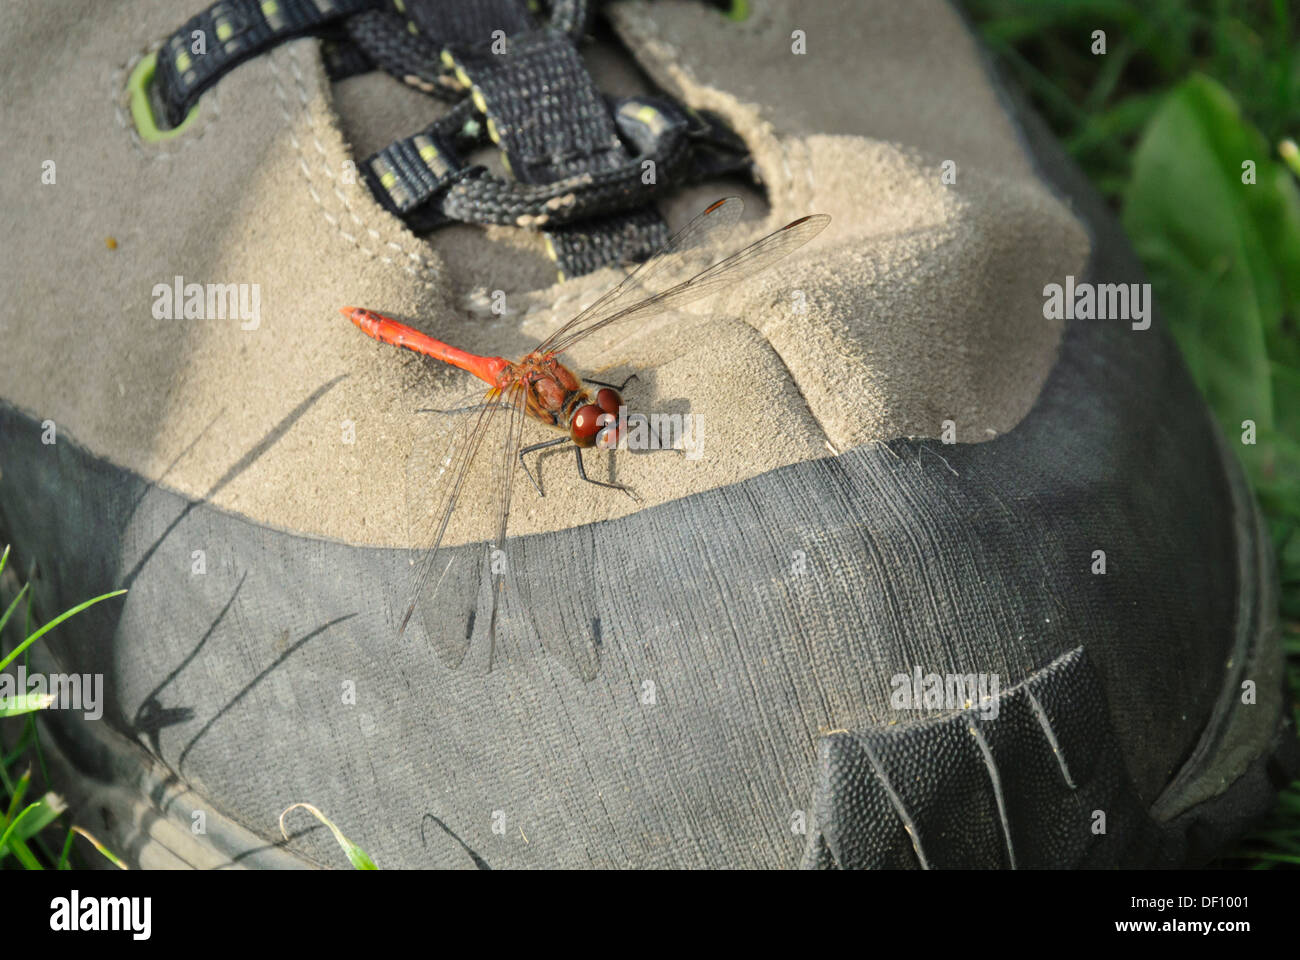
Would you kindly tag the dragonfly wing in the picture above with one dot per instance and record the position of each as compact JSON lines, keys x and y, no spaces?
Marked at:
{"x":472,"y":595}
{"x":528,"y":620}
{"x":690,"y":251}
{"x":452,"y":523}
{"x":565,"y":636}
{"x":753,"y":259}
{"x":508,"y":629}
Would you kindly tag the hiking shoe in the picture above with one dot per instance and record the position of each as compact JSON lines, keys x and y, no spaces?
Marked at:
{"x":957,"y":579}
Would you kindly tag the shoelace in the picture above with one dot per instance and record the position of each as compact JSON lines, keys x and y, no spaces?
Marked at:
{"x":584,"y":168}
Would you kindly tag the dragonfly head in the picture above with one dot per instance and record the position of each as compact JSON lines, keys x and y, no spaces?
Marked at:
{"x":597,"y":422}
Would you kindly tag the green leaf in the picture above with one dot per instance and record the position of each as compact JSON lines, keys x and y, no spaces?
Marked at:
{"x":356,"y":856}
{"x":1224,"y":261}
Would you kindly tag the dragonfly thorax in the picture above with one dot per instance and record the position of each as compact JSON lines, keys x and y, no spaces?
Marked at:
{"x":558,"y":399}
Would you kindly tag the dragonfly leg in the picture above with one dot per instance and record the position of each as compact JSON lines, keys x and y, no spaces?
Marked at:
{"x":600,"y":483}
{"x":538,"y":446}
{"x":619,"y":387}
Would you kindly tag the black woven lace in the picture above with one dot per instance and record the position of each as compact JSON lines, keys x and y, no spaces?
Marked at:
{"x":585,"y":168}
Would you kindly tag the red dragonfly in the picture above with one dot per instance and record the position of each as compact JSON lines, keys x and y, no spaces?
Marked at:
{"x":464,"y":593}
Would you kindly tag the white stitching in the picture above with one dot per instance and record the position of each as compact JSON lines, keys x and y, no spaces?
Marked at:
{"x":429,"y":272}
{"x":651,"y":34}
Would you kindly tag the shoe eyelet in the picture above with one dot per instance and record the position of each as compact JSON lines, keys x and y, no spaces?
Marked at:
{"x":737,"y":10}
{"x":142,"y":113}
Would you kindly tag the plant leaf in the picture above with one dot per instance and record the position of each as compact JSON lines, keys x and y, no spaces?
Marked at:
{"x":1224,"y":260}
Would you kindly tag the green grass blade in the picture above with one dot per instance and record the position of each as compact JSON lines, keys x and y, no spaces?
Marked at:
{"x":54,"y":623}
{"x":67,"y":850}
{"x":23,"y":854}
{"x":27,"y":703}
{"x":356,"y":856}
{"x":28,"y":811}
{"x":13,"y":606}
{"x":48,"y":809}
{"x":104,"y":851}
{"x":16,"y":801}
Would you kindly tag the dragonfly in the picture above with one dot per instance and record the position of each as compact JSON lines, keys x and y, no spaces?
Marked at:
{"x":471,"y":596}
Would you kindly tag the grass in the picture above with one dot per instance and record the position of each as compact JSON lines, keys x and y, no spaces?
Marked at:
{"x":32,"y":829}
{"x":30,"y":832}
{"x":1186,"y":92}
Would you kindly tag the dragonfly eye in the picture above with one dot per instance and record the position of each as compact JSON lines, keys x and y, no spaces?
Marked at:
{"x":609,"y":400}
{"x":585,"y":424}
